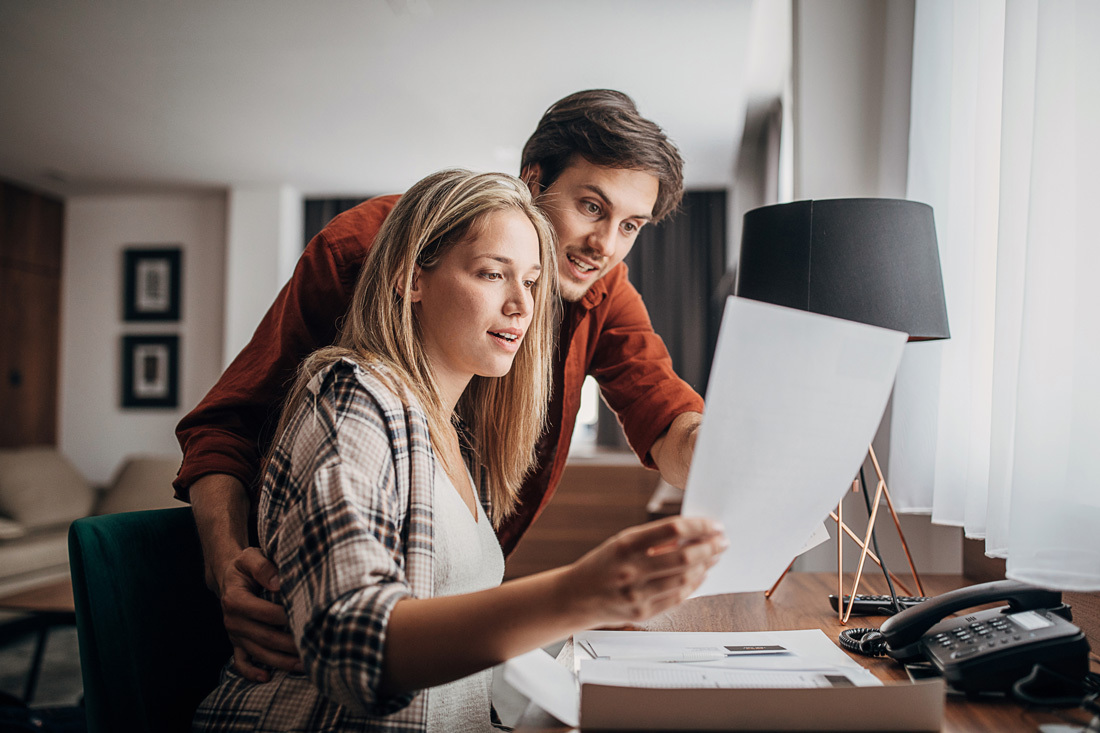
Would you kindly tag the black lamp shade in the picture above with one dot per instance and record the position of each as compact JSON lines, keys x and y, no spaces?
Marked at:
{"x":874,"y":261}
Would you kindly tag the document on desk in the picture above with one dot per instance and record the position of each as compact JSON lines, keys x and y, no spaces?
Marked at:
{"x":799,"y":650}
{"x":807,"y":685}
{"x":793,"y":401}
{"x":804,"y":658}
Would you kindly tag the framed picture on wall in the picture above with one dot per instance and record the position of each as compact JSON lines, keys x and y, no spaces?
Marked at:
{"x":150,"y":371}
{"x":152,"y":277}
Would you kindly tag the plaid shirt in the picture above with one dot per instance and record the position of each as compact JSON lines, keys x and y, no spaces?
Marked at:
{"x":345,"y":514}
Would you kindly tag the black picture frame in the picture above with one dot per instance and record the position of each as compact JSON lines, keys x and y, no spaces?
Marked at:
{"x":153,"y":277}
{"x":150,"y":371}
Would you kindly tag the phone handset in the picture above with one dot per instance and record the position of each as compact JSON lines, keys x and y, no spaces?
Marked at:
{"x":902,"y":633}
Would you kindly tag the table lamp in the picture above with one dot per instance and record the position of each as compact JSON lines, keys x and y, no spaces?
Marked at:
{"x":875,"y":261}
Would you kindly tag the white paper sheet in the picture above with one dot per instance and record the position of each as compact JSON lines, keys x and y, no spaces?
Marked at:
{"x":671,"y":676}
{"x":807,"y":649}
{"x":629,"y":659}
{"x":821,"y":534}
{"x":793,"y":401}
{"x":548,"y":684}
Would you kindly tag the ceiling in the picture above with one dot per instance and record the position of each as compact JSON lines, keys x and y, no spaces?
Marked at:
{"x":352,"y":96}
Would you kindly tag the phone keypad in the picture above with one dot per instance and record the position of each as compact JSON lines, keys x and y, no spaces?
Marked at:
{"x":973,"y":638}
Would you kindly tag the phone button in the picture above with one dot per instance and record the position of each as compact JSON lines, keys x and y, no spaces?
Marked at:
{"x":965,"y":652}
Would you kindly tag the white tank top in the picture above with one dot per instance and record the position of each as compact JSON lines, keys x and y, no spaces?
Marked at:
{"x":467,"y":558}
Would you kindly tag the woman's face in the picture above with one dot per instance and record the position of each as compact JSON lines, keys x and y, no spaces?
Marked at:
{"x":476,"y":304}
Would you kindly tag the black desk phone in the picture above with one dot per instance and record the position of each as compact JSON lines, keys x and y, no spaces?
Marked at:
{"x":988,"y":650}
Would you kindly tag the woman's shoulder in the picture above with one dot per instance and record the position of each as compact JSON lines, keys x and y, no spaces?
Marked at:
{"x":353,"y":410}
{"x":353,"y":384}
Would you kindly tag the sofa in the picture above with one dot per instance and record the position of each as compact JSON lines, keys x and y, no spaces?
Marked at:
{"x":41,"y":493}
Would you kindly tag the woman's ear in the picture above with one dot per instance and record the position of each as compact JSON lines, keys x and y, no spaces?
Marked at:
{"x":415,"y":293}
{"x":532,"y":175}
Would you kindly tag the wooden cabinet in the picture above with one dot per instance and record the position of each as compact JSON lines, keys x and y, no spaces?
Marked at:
{"x":30,"y":314}
{"x":597,"y":497}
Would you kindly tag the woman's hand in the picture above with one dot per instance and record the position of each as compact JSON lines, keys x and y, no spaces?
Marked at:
{"x":645,"y":570}
{"x":634,"y":575}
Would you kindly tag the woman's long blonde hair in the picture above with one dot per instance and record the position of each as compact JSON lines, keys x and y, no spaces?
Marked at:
{"x":505,"y":415}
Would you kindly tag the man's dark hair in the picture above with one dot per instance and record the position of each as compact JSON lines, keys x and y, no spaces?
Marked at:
{"x":604,"y":127}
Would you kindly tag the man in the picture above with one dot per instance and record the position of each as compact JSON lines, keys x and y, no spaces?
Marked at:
{"x":601,"y":172}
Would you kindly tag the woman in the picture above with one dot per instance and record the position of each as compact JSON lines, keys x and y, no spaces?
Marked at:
{"x":398,"y":450}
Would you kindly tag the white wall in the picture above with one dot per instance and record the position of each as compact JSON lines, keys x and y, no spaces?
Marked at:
{"x":95,"y":432}
{"x":263,"y":243}
{"x":851,"y":74}
{"x":852,"y":64}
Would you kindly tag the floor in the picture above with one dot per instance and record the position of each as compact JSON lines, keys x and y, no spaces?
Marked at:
{"x":60,"y":686}
{"x":59,"y":682}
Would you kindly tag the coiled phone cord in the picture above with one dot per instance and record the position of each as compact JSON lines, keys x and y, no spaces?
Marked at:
{"x":868,"y":642}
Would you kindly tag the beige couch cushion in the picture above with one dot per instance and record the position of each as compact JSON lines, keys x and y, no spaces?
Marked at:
{"x":42,"y":552}
{"x":143,"y":482}
{"x":10,"y":530}
{"x":40,"y":488}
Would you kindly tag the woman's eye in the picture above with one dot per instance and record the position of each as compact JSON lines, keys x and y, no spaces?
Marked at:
{"x":591,"y":208}
{"x":491,"y":275}
{"x":530,"y":284}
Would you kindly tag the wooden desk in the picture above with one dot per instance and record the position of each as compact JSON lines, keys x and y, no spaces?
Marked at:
{"x":801,"y":602}
{"x":55,"y":597}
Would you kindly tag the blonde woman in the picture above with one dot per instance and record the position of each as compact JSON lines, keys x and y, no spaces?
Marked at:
{"x":398,"y":451}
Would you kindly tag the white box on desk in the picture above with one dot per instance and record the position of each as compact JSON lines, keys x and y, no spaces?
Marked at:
{"x":896,"y":707}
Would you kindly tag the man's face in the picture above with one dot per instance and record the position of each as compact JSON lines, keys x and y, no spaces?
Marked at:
{"x":597,"y":213}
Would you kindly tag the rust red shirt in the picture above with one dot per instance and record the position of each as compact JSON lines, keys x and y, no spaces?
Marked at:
{"x":606,"y":334}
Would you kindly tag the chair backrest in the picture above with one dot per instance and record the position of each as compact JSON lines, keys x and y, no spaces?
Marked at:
{"x":151,"y":636}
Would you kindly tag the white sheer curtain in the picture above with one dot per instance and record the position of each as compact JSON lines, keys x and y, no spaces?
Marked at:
{"x":998,"y":429}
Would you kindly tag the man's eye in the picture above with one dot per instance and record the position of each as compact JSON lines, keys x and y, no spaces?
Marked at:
{"x":630,"y":227}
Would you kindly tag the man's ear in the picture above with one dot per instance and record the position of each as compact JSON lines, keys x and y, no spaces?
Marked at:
{"x":414,"y":287}
{"x":532,"y":175}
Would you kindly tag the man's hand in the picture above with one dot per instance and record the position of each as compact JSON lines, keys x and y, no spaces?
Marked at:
{"x":237,"y":574}
{"x":257,"y":628}
{"x":673,"y":451}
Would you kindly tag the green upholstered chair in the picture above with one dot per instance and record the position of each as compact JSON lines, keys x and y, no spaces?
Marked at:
{"x":151,"y":637}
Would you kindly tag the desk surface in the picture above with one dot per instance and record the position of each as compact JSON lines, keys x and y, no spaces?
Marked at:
{"x":54,"y":597}
{"x":801,"y":602}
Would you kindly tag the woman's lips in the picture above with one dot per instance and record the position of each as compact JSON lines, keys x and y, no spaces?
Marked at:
{"x":509,"y":338}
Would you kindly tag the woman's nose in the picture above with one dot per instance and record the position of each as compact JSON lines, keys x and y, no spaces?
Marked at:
{"x":519,"y":301}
